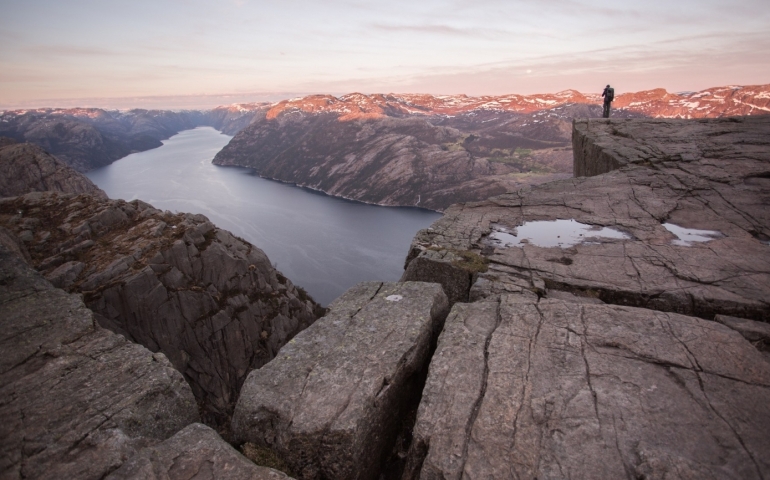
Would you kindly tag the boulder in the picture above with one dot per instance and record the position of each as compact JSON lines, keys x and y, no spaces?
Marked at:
{"x":77,"y":400}
{"x":172,"y":282}
{"x":28,"y":168}
{"x":707,"y":175}
{"x":331,"y":403}
{"x":195,"y":452}
{"x":445,"y":267}
{"x":521,"y":388}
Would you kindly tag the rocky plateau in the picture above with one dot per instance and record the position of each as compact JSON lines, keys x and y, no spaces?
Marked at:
{"x":611,"y":325}
{"x":630,"y":353}
{"x":611,"y":356}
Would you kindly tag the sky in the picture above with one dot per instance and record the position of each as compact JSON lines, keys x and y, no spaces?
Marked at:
{"x":195,"y":53}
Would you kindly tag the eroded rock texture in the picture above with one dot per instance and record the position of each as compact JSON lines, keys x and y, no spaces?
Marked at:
{"x":553,"y":371}
{"x":680,"y":173}
{"x":195,"y":452}
{"x":175,"y":283}
{"x":758,"y":333}
{"x":521,"y":388}
{"x":76,"y":400}
{"x":332,"y":401}
{"x":28,"y":168}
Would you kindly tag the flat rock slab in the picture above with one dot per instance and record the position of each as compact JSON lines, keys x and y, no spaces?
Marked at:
{"x":601,"y":146}
{"x":76,"y":400}
{"x":554,"y":389}
{"x":330,"y":403}
{"x":688,"y":180}
{"x":195,"y":452}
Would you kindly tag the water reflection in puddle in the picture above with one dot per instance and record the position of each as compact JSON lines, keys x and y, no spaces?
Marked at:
{"x":685,"y":237}
{"x":555,"y":233}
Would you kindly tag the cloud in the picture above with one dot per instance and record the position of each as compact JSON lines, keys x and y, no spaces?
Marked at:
{"x":428,"y":29}
{"x":670,"y":64}
{"x":67,"y":51}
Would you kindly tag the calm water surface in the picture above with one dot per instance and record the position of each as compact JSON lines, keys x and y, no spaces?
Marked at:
{"x":321,"y":243}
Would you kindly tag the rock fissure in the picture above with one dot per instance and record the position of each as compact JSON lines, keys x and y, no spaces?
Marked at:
{"x":481,"y":395}
{"x":698,"y":370}
{"x":637,"y":360}
{"x":583,"y":338}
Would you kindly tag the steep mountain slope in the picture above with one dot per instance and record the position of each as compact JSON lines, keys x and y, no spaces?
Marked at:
{"x":388,"y":160}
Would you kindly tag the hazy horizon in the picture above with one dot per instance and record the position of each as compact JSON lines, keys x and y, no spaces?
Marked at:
{"x":194,"y":54}
{"x":202,"y":102}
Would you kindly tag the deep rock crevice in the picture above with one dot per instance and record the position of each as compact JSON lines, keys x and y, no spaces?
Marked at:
{"x":615,"y":370}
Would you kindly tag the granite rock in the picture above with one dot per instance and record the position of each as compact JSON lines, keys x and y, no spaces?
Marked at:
{"x":195,"y":452}
{"x":600,"y":146}
{"x":11,"y":242}
{"x":175,"y":283}
{"x":521,"y":388}
{"x":28,"y":168}
{"x":77,"y":400}
{"x":332,"y":401}
{"x":682,"y":174}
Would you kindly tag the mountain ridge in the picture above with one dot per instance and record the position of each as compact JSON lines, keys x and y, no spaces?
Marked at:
{"x":716,"y":101}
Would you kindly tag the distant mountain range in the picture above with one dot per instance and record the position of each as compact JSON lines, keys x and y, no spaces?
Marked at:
{"x":710,"y":103}
{"x":395,"y":149}
{"x":88,"y":138}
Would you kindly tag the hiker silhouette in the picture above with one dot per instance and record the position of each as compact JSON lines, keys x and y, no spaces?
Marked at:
{"x":609,"y":96}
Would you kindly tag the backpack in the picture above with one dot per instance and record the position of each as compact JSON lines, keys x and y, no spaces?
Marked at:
{"x":610,"y":95}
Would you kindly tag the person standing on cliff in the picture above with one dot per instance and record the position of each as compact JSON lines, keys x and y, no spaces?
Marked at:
{"x":609,"y":96}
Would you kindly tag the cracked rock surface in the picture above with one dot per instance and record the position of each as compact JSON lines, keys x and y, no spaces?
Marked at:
{"x":195,"y":452}
{"x":521,"y":388}
{"x":28,"y":168}
{"x":706,"y":174}
{"x":76,"y":400}
{"x":331,"y":402}
{"x":175,"y":283}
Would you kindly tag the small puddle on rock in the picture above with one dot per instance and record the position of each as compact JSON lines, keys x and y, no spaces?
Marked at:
{"x":555,"y":233}
{"x":685,"y":237}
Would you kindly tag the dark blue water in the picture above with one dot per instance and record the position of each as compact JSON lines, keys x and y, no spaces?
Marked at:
{"x":321,"y":243}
